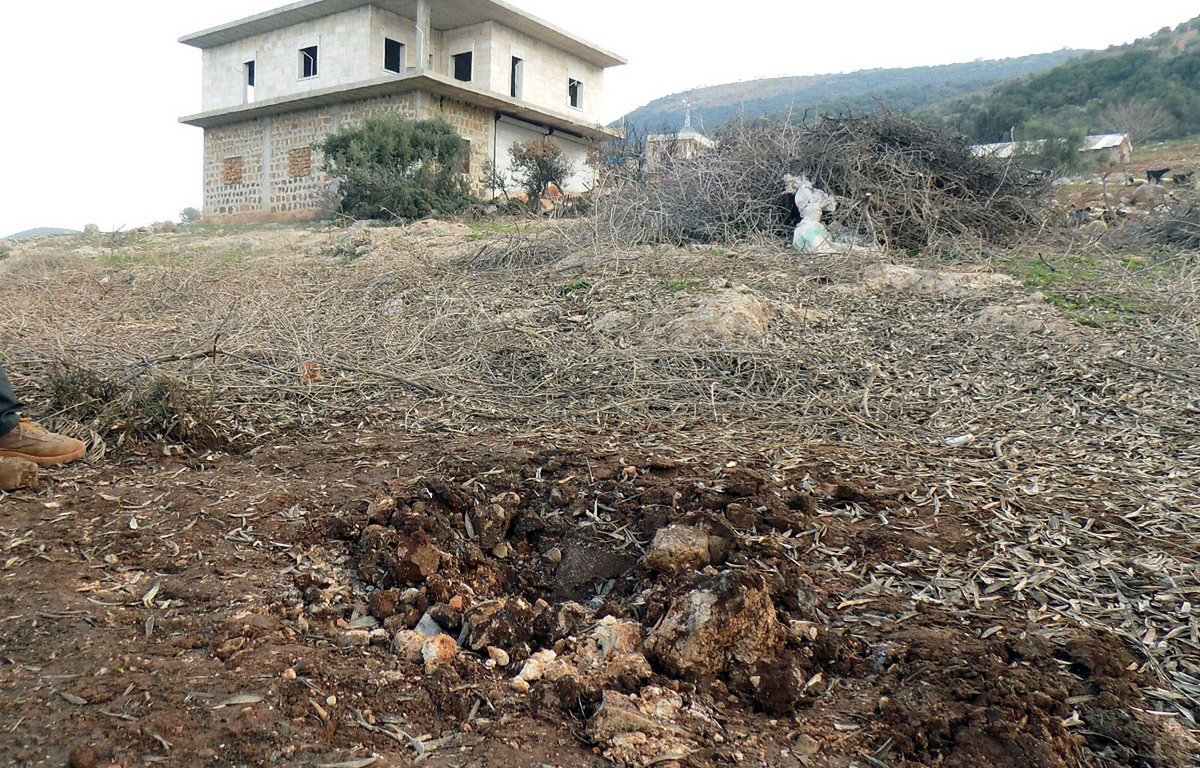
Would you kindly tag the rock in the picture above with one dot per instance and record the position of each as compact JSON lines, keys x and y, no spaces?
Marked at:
{"x":553,"y":556}
{"x":617,"y":638}
{"x":677,"y":549}
{"x":438,"y":652}
{"x":730,"y":622}
{"x":653,"y":728}
{"x":504,"y":623}
{"x":409,"y":645}
{"x":428,"y":626}
{"x":535,"y":667}
{"x":355,"y":638}
{"x":729,"y":315}
{"x":91,"y":230}
{"x":491,"y":522}
{"x":498,"y":656}
{"x":1148,"y":195}
{"x":16,"y":474}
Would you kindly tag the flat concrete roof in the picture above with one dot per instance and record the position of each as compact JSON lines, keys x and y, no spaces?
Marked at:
{"x":439,"y":85}
{"x":443,"y":15}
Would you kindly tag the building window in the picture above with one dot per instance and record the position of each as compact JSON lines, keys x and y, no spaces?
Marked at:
{"x":300,"y":163}
{"x":518,"y":78}
{"x":308,"y":62}
{"x":393,"y":55}
{"x":248,"y":81}
{"x":232,"y":170}
{"x":464,"y":63}
{"x":575,"y":93}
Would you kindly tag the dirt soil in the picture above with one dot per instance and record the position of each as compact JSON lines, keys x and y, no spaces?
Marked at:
{"x":454,"y":496}
{"x":241,"y":610}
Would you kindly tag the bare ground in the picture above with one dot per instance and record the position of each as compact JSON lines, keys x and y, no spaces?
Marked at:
{"x":939,"y":522}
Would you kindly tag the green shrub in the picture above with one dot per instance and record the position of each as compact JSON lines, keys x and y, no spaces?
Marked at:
{"x":390,"y":167}
{"x":537,"y":164}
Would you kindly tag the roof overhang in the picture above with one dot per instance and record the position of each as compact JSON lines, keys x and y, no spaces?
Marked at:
{"x":443,"y":15}
{"x":438,"y":85}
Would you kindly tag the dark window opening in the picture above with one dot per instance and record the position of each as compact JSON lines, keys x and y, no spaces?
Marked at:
{"x":575,"y":93}
{"x":518,"y":78}
{"x":248,"y":85}
{"x":464,"y":63}
{"x":308,"y":62}
{"x":393,"y":55}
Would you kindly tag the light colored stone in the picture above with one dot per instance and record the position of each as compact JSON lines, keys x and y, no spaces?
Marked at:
{"x":409,"y":645}
{"x":438,"y":652}
{"x":355,"y":638}
{"x":678,"y":548}
{"x":731,"y":622}
{"x":535,"y":667}
{"x":498,"y":656}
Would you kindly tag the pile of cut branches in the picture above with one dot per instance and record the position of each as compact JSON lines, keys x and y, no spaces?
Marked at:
{"x":899,"y":182}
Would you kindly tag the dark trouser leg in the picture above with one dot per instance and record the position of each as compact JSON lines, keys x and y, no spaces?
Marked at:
{"x":10,"y":408}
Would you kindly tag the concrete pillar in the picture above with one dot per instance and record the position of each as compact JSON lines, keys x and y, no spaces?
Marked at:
{"x":424,"y":31}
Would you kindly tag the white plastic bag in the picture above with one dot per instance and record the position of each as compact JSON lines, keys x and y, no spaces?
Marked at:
{"x":811,"y":235}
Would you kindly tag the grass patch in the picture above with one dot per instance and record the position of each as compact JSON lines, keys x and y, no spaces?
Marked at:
{"x":688,"y":285}
{"x":578,"y":286}
{"x":1085,"y":287}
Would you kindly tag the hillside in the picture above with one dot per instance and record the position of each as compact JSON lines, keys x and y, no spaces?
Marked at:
{"x":1148,"y":88}
{"x":901,"y":89}
{"x":39,"y":232}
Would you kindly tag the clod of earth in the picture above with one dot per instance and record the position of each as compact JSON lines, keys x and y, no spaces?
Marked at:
{"x":17,"y":474}
{"x":391,"y":558}
{"x":506,"y":623}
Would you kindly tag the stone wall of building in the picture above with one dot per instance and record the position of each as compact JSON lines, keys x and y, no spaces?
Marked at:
{"x":280,"y":165}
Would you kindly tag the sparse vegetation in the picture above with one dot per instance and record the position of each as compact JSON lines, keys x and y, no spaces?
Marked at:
{"x":538,"y":164}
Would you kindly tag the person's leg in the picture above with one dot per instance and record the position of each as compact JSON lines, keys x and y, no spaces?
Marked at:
{"x":10,"y":407}
{"x":26,"y":440}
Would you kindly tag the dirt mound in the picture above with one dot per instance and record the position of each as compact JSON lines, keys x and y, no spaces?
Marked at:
{"x":628,"y":590}
{"x":948,"y":284}
{"x":436,"y":228}
{"x":725,"y":314}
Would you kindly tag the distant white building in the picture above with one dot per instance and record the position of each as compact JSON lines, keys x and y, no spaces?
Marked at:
{"x":688,"y":143}
{"x":1111,"y":147}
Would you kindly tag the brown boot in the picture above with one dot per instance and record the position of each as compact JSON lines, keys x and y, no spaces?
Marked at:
{"x":33,"y":443}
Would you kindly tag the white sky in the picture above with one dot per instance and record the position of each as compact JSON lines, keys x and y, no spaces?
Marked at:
{"x":91,"y":89}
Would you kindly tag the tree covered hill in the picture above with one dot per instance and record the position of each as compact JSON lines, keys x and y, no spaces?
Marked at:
{"x":1148,"y":88}
{"x":905,"y":90}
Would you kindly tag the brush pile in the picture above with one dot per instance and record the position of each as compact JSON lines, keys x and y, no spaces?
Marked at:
{"x":900,"y":183}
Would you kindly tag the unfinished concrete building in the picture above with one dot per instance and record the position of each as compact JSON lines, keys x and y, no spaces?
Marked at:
{"x":276,"y":84}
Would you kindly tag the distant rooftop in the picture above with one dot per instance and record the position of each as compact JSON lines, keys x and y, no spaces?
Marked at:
{"x":444,"y":15}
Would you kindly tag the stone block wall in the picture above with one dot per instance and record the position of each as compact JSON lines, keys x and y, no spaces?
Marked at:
{"x":282,"y":175}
